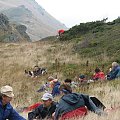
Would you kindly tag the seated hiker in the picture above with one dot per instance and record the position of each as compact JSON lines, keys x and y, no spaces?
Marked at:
{"x":76,"y":102}
{"x":115,"y":71}
{"x":55,"y":84}
{"x":52,"y":83}
{"x":45,"y":110}
{"x":82,"y":79}
{"x":98,"y":75}
{"x":70,"y":82}
{"x":6,"y":110}
{"x":36,"y":71}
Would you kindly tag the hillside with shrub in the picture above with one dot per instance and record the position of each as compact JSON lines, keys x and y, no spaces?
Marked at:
{"x":97,"y":39}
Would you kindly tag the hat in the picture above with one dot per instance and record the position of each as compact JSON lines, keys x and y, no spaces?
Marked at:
{"x":82,"y":76}
{"x":7,"y":90}
{"x":47,"y":96}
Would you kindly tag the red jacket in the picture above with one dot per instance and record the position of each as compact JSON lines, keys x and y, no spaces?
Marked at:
{"x":99,"y":75}
{"x":61,"y":31}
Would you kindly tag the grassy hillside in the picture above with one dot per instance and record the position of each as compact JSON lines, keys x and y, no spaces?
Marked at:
{"x":99,"y":39}
{"x":64,"y":59}
{"x":59,"y":59}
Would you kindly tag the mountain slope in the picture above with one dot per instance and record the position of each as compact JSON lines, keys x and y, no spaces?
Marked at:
{"x":27,"y":12}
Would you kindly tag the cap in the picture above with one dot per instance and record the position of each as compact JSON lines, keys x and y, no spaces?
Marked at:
{"x":82,"y":76}
{"x":47,"y":96}
{"x":7,"y":90}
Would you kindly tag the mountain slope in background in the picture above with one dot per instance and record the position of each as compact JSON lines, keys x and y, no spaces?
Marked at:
{"x":39,"y":23}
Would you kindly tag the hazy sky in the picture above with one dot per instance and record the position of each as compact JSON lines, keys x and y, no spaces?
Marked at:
{"x":73,"y":12}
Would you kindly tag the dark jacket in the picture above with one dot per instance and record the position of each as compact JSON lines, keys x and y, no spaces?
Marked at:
{"x":56,"y":90}
{"x":42,"y":112}
{"x":7,"y":112}
{"x":114,"y":73}
{"x":73,"y":101}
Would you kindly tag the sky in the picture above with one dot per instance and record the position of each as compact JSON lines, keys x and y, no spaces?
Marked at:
{"x":74,"y":12}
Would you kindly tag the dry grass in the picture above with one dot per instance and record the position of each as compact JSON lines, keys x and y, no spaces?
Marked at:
{"x":15,"y":58}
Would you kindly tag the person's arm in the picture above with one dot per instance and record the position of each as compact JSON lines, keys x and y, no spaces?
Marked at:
{"x":91,"y":106}
{"x":15,"y":116}
{"x":57,"y":112}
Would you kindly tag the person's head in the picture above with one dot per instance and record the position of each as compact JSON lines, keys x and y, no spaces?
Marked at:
{"x":47,"y":99}
{"x":115,"y":64}
{"x":67,"y":81}
{"x":65,"y":88}
{"x":36,"y":68}
{"x":6,"y":94}
{"x":97,"y":70}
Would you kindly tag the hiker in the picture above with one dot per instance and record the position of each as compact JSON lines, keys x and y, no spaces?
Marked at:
{"x":36,"y":72}
{"x":98,"y":75}
{"x":82,"y":79}
{"x":115,"y":71}
{"x":45,"y":110}
{"x":55,"y":84}
{"x":74,"y":104}
{"x":70,"y":82}
{"x":6,"y":110}
{"x":61,"y":32}
{"x":51,"y":84}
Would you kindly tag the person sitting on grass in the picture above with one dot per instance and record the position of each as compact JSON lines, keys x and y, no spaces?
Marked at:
{"x":115,"y":71}
{"x":70,"y":82}
{"x":74,"y":104}
{"x":82,"y":79}
{"x":54,"y":85}
{"x":98,"y":75}
{"x":6,"y":110}
{"x":45,"y":110}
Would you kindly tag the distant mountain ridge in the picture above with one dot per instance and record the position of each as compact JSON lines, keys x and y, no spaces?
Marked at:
{"x":39,"y":23}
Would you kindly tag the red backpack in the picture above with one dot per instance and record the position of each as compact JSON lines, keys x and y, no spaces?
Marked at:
{"x":79,"y":112}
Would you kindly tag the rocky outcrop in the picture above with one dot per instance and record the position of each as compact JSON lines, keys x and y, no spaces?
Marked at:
{"x":12,"y":32}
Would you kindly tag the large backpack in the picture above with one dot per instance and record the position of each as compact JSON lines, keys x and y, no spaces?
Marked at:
{"x":77,"y":113}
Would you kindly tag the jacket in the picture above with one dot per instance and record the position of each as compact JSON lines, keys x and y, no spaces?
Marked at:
{"x":7,"y":112}
{"x":56,"y":90}
{"x":114,"y":73}
{"x":99,"y":76}
{"x":42,"y":112}
{"x":73,"y":101}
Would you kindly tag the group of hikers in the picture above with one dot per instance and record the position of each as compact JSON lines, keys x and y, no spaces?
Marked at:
{"x":54,"y":84}
{"x":70,"y":105}
{"x":114,"y":73}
